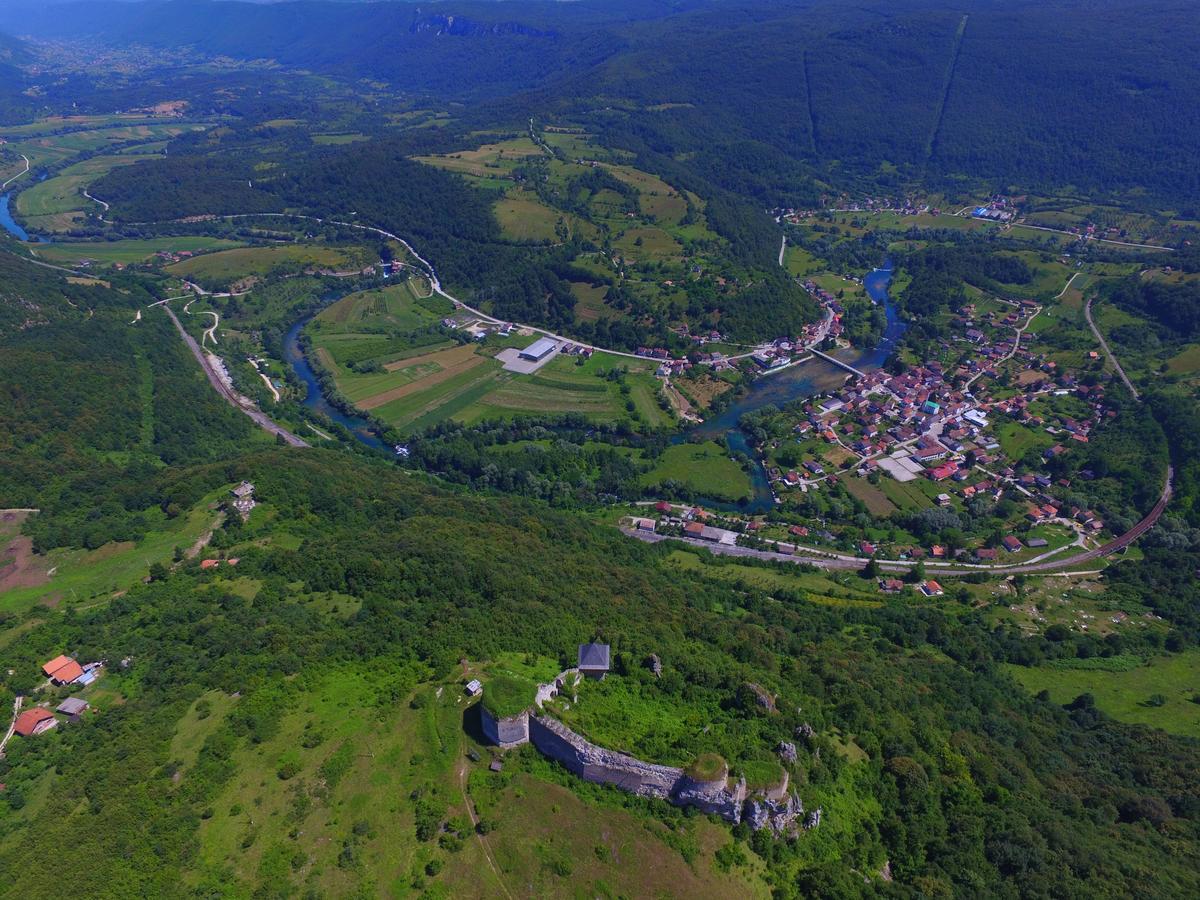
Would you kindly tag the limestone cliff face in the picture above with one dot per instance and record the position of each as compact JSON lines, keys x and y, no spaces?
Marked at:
{"x":460,"y":26}
{"x":713,"y":797}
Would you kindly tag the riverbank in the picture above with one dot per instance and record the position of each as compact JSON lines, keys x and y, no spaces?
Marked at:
{"x":801,"y":381}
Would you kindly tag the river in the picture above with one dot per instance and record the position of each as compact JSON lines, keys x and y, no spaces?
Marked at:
{"x":314,"y":399}
{"x":7,"y":222}
{"x":817,"y":376}
{"x":807,"y":379}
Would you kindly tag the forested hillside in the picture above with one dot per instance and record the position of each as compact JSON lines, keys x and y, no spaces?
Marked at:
{"x":94,"y":406}
{"x":964,"y":784}
{"x":1032,"y":95}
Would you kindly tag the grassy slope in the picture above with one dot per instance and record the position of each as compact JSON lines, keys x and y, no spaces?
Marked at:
{"x":702,"y":467}
{"x":1124,"y":695}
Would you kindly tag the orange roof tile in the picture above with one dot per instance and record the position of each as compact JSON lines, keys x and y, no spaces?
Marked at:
{"x":29,"y":720}
{"x":68,"y":673}
{"x":55,"y":664}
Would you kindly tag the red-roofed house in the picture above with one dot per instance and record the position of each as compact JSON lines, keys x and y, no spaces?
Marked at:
{"x":62,"y":670}
{"x":1011,"y":544}
{"x":34,"y":721}
{"x":932,"y":589}
{"x":55,"y":664}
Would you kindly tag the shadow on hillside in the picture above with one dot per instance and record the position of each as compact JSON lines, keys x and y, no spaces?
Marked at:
{"x":472,"y":724}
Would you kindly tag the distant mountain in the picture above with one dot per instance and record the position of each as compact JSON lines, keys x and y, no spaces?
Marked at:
{"x":14,"y":105}
{"x":1095,"y":95}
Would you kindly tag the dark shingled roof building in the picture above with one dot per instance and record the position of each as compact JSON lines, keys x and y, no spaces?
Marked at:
{"x":593,"y":660}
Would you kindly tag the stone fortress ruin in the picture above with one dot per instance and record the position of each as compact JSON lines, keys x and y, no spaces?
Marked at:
{"x":713,"y":792}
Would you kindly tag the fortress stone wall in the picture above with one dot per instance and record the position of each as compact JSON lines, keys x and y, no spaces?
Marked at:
{"x":774,"y":808}
{"x":509,"y":732}
{"x":603,"y":766}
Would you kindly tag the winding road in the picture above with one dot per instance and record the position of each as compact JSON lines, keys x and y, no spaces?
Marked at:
{"x":431,"y":273}
{"x":1087,"y":314}
{"x":18,"y":175}
{"x":260,"y":418}
{"x":829,"y":560}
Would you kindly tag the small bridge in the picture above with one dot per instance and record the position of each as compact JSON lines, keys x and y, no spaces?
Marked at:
{"x":837,"y":362}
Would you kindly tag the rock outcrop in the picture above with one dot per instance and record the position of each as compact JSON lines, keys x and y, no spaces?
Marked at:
{"x":778,"y":815}
{"x":712,"y":797}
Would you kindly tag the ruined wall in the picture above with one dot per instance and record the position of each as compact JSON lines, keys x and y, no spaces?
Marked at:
{"x":645,"y":779}
{"x":602,"y":766}
{"x":509,"y":732}
{"x":774,"y":808}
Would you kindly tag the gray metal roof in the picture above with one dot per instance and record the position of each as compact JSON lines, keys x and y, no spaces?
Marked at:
{"x":72,"y":706}
{"x":593,"y":656}
{"x":539,"y":348}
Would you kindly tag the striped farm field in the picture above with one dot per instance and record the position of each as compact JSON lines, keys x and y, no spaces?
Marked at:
{"x":432,"y":402}
{"x":531,"y":397}
{"x":449,"y":363}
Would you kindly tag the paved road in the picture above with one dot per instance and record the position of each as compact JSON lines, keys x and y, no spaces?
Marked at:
{"x":260,"y":418}
{"x":1034,"y":313}
{"x":1087,"y":312}
{"x":18,"y":175}
{"x":838,"y":561}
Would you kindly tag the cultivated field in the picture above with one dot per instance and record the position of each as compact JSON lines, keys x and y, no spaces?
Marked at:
{"x":127,"y":252}
{"x":229,"y":266}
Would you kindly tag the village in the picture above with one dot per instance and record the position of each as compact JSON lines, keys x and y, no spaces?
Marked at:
{"x":987,"y":430}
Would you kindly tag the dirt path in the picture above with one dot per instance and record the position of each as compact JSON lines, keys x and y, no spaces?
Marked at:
{"x":211,"y":331}
{"x":201,"y":542}
{"x":18,"y":175}
{"x":483,"y":843}
{"x":13,"y":724}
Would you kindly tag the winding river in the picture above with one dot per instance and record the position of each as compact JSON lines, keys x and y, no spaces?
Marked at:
{"x":314,"y":399}
{"x":807,"y":379}
{"x":8,"y":223}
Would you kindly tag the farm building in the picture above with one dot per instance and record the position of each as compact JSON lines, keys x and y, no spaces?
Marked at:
{"x":539,"y":349}
{"x":34,"y":721}
{"x":62,"y":670}
{"x":72,"y":707}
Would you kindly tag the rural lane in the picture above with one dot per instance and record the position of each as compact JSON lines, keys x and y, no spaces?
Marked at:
{"x":825,"y":560}
{"x":1087,"y":313}
{"x":259,"y":417}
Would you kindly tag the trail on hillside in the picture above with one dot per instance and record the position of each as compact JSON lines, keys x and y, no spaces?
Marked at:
{"x":931,"y":144}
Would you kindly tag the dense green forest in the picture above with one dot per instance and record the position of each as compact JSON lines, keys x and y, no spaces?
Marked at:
{"x":95,"y":408}
{"x":978,"y":788}
{"x":758,"y":96}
